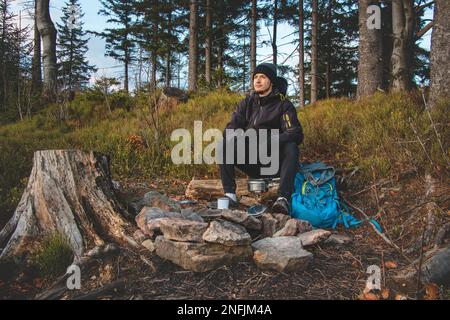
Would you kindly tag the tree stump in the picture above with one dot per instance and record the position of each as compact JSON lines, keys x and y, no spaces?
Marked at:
{"x":68,"y":192}
{"x":170,"y":97}
{"x":174,"y":93}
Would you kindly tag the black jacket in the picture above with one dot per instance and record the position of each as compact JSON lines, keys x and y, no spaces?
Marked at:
{"x":271,"y":112}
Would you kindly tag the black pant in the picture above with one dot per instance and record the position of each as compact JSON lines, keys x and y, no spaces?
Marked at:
{"x":288,"y":160}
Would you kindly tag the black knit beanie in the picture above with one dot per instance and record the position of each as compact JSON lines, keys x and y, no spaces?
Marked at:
{"x":268,"y":69}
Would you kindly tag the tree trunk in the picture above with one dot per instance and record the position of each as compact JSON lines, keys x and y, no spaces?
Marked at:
{"x":329,"y":46}
{"x":154,"y":58}
{"x":440,"y":53}
{"x":221,"y":44}
{"x":68,"y":192}
{"x":301,"y":55}
{"x":125,"y":81}
{"x":126,"y":56}
{"x":253,"y":41}
{"x":168,"y":76}
{"x":153,"y":70}
{"x":2,"y":56}
{"x":36,"y":82}
{"x":314,"y":63}
{"x":403,"y":30}
{"x":370,"y":67}
{"x":193,"y":46}
{"x":244,"y":73}
{"x":275,"y":27}
{"x":48,"y":33}
{"x":208,"y":42}
{"x":220,"y":64}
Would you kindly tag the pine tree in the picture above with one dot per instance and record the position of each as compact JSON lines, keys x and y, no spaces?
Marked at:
{"x":120,"y":44}
{"x":231,"y":38}
{"x":6,"y":27}
{"x":156,"y":29}
{"x":74,"y":69}
{"x":193,"y":45}
{"x":337,"y":49}
{"x":15,"y":65}
{"x":314,"y":52}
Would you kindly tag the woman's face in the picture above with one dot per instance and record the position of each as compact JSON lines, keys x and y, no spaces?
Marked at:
{"x":262,"y":83}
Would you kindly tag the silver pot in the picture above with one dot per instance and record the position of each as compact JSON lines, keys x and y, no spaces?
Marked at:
{"x":257,"y":185}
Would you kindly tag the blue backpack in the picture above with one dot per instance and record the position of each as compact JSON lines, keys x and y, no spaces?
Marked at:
{"x":316,"y":200}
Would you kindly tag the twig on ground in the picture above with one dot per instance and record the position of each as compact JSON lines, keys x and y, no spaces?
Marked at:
{"x":420,"y":141}
{"x":419,"y":272}
{"x":110,"y":287}
{"x":422,"y":204}
{"x":380,"y":183}
{"x":383,"y":269}
{"x":382,"y":235}
{"x":435,"y":130}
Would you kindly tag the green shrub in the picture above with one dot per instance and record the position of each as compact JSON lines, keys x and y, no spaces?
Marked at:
{"x":54,"y":255}
{"x":376,"y":134}
{"x":120,"y":99}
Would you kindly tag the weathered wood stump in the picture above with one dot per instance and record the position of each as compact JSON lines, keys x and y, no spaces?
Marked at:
{"x":68,"y":192}
{"x":175,"y":94}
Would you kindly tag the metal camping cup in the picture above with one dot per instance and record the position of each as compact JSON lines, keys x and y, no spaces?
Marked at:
{"x":222,"y":203}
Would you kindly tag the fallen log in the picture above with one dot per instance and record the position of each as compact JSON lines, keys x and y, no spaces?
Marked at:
{"x":109,"y":288}
{"x":69,"y":192}
{"x":212,"y":189}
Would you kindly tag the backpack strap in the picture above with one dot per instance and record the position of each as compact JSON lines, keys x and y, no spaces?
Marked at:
{"x":350,"y":221}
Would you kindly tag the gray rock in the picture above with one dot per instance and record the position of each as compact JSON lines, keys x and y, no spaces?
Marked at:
{"x":269,"y":225}
{"x":313,"y":237}
{"x":227,"y":233}
{"x":283,"y":254}
{"x":190,"y":214}
{"x":200,"y":257}
{"x":148,"y":220}
{"x":182,"y":230}
{"x":282,"y":219}
{"x":139,"y":236}
{"x":437,"y":268}
{"x":303,"y":226}
{"x":209,"y":214}
{"x":155,"y":199}
{"x":289,"y":229}
{"x":149,"y":245}
{"x":339,"y":239}
{"x":242,"y":218}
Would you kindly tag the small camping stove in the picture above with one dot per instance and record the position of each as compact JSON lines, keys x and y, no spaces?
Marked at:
{"x":258,"y":187}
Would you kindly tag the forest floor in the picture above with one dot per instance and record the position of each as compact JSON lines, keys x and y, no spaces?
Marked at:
{"x":337,"y":272}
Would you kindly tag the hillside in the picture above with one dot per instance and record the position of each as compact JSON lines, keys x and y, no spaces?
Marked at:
{"x":391,"y":152}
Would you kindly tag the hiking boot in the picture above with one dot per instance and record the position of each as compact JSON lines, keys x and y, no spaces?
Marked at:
{"x":233,"y":204}
{"x":281,"y":206}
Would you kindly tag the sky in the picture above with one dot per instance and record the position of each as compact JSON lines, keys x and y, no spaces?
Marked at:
{"x":111,"y":68}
